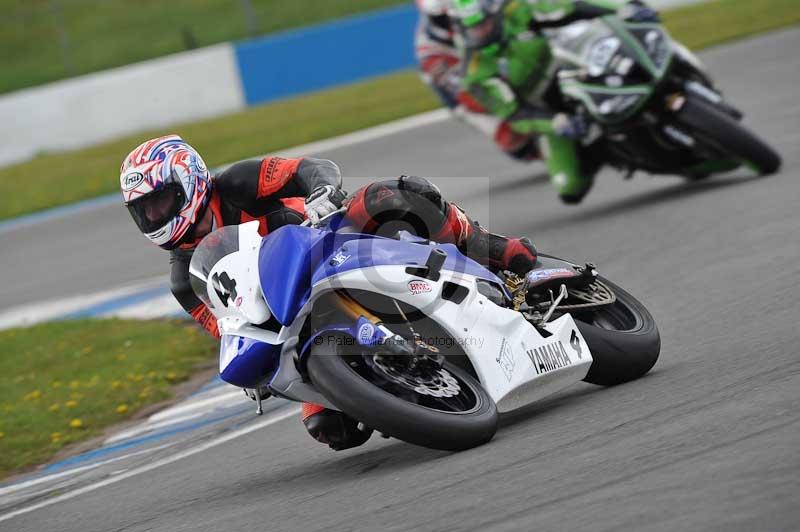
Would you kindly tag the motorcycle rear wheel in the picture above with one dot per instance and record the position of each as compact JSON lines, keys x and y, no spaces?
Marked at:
{"x":345,"y":380}
{"x":623,"y":338}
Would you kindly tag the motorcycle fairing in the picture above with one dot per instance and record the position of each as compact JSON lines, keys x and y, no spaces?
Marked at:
{"x":514,"y":361}
{"x":294,"y":258}
{"x":609,"y":105}
{"x":245,"y":362}
{"x":648,"y":44}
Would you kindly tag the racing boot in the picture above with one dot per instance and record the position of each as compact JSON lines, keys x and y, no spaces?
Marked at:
{"x":496,"y":251}
{"x":336,"y":429}
{"x":571,"y":179}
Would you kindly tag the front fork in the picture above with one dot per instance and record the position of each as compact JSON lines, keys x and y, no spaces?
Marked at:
{"x":376,"y":333}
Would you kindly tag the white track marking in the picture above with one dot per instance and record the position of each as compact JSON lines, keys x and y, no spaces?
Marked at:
{"x":204,"y":404}
{"x":366,"y":135}
{"x":271,"y":419}
{"x":36,"y":312}
{"x":187,"y":410}
{"x":55,"y":476}
{"x":150,"y":427}
{"x":156,"y":307}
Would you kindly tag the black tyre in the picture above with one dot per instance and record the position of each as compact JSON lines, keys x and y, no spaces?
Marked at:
{"x":449,"y":424}
{"x":622,"y":337}
{"x":722,"y":131}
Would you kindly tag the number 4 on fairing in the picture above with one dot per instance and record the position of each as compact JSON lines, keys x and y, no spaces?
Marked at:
{"x":225,"y":287}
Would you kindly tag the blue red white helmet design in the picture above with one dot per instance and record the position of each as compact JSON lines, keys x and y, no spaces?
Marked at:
{"x":165,"y":173}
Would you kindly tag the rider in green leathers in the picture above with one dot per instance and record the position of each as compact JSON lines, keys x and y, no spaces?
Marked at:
{"x":510,"y":72}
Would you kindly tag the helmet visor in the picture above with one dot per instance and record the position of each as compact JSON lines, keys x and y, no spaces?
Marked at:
{"x":155,"y":210}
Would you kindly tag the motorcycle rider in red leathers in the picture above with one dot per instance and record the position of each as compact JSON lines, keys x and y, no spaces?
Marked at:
{"x":175,"y":202}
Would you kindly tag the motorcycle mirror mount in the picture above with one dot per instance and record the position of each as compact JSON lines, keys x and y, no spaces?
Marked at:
{"x":432,"y":266}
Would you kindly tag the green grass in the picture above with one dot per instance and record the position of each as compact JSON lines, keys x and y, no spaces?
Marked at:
{"x":108,"y":33}
{"x":56,"y":179}
{"x":720,"y":21}
{"x":64,"y":382}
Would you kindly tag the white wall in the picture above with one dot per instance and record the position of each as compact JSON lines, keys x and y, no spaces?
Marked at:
{"x":97,"y":107}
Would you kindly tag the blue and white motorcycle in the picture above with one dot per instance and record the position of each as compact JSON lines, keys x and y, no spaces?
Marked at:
{"x":410,"y":337}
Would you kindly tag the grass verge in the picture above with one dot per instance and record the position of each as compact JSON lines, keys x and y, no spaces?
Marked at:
{"x":66,"y":381}
{"x":57,"y":179}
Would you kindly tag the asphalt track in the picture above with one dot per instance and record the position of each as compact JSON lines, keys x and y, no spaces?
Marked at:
{"x":709,"y":440}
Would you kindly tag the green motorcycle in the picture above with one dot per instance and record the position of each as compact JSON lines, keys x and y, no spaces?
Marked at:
{"x":656,"y":106}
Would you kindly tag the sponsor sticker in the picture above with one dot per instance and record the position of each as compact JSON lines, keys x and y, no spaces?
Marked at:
{"x":365,"y":333}
{"x":419,"y":287}
{"x":549,"y":357}
{"x":536,"y":276}
{"x":338,"y":259}
{"x":505,"y":359}
{"x":575,"y":342}
{"x":132,"y":180}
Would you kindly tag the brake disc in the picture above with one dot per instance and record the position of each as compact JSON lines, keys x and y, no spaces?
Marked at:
{"x":435,"y":382}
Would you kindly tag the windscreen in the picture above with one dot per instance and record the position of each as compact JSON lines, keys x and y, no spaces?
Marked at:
{"x":211,"y":249}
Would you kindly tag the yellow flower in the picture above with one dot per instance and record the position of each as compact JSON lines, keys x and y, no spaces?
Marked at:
{"x":171,"y":376}
{"x":54,"y":407}
{"x":35,"y":394}
{"x":87,"y":349}
{"x":76,"y":423}
{"x":116,"y":385}
{"x":74,"y":384}
{"x":152,"y":374}
{"x":2,"y":435}
{"x":71,"y":404}
{"x":56,"y":436}
{"x":122,"y":409}
{"x":138,"y":378}
{"x":56,"y":384}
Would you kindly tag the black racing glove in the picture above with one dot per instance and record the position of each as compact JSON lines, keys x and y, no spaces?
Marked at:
{"x":570,"y":126}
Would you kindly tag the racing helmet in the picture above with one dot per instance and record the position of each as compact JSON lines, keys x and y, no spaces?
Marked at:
{"x":480,"y":21}
{"x":166,"y":187}
{"x":434,"y":8}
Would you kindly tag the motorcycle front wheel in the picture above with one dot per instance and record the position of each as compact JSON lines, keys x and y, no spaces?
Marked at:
{"x":718,"y":129}
{"x":446,"y":409}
